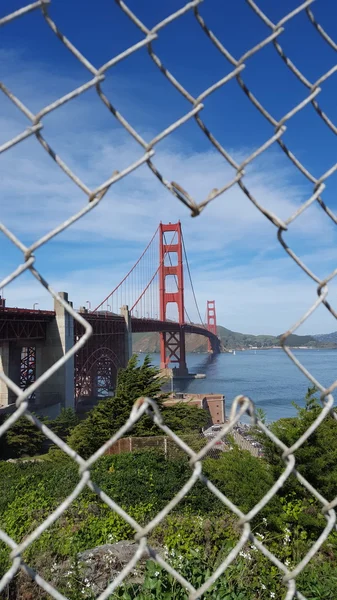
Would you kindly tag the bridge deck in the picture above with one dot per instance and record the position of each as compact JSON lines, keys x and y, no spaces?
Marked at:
{"x":24,"y":324}
{"x":27,"y":324}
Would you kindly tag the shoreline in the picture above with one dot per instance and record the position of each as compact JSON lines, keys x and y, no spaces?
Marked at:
{"x":231,"y":350}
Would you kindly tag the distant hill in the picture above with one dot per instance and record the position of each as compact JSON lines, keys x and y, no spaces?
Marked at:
{"x":233,"y":340}
{"x":327,"y":338}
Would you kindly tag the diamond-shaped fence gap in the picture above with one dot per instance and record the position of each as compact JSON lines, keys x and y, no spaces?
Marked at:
{"x":68,"y":73}
{"x":265,"y":65}
{"x":301,"y":235}
{"x":279,"y":173}
{"x":95,"y":151}
{"x":97,"y":49}
{"x":306,"y":62}
{"x":277,"y":187}
{"x":139,"y":486}
{"x":79,"y":114}
{"x":234,"y":135}
{"x":182,"y":146}
{"x":214,"y":534}
{"x":54,"y":193}
{"x":223,"y":22}
{"x":318,"y":160}
{"x":182,"y":38}
{"x":146,"y":104}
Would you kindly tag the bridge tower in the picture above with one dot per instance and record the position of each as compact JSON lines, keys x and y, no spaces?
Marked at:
{"x":211,"y":320}
{"x":172,"y":344}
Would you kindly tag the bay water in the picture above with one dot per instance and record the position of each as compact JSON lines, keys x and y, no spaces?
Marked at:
{"x":268,"y":377}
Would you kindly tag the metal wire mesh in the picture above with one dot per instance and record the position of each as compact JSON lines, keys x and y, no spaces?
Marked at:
{"x":94,"y":196}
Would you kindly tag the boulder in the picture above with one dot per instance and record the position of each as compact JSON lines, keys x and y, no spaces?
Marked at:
{"x":99,"y":566}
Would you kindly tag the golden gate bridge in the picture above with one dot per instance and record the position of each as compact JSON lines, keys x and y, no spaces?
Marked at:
{"x":150,"y":298}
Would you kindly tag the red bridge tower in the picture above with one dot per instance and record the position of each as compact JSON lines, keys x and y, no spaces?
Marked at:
{"x":211,"y":320}
{"x":172,"y":344}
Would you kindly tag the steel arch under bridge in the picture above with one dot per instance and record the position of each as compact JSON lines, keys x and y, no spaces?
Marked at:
{"x":97,"y":363}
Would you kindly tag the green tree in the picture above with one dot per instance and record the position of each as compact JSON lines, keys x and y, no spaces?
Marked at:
{"x":110,"y":414}
{"x":64,"y":423}
{"x":24,"y":439}
{"x":316,"y":459}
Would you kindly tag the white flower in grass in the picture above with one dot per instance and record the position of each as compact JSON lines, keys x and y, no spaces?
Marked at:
{"x":272,"y":594}
{"x":156,"y":573}
{"x":263,"y":587}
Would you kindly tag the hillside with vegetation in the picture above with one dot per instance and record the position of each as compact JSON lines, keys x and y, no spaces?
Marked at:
{"x":327,"y":338}
{"x":82,"y":551}
{"x":233,"y":340}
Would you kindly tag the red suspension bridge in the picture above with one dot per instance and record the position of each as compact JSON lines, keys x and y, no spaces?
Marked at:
{"x":150,"y":298}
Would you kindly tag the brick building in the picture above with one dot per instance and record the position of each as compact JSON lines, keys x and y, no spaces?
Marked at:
{"x":213,"y":403}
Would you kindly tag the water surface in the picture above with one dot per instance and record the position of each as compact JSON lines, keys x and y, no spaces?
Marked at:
{"x":268,"y":376}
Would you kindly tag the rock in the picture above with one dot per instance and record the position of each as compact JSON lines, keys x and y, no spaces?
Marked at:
{"x":99,"y":566}
{"x":89,"y":577}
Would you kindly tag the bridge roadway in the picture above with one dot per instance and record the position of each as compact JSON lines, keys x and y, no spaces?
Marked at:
{"x":154,"y":325}
{"x":23,"y":324}
{"x":93,"y":370}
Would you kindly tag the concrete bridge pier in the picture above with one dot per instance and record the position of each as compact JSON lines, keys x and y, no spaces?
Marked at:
{"x":128,"y":333}
{"x":10,"y":364}
{"x":58,"y":390}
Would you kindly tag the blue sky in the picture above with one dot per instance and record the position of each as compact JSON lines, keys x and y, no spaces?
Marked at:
{"x":233,"y":250}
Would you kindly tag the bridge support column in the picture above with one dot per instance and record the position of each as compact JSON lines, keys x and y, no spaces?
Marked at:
{"x":10,"y":364}
{"x":174,"y":349}
{"x":128,"y":333}
{"x":172,"y":344}
{"x":59,"y":388}
{"x":211,"y":321}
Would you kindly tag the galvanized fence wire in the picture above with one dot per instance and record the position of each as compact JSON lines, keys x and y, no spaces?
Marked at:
{"x":311,"y":93}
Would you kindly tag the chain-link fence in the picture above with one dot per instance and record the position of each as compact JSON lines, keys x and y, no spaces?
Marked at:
{"x":96,"y":75}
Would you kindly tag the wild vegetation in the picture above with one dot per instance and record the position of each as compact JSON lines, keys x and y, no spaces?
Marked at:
{"x":196,"y":535}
